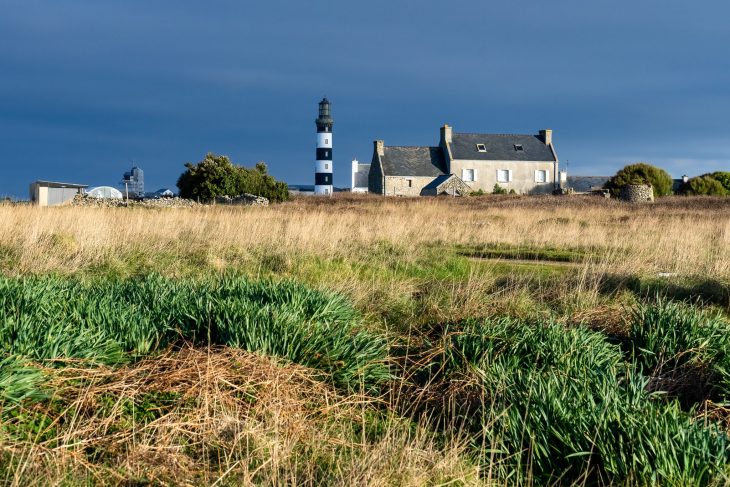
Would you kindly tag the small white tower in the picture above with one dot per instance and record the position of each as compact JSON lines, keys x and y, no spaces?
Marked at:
{"x":323,"y":166}
{"x":355,"y":168}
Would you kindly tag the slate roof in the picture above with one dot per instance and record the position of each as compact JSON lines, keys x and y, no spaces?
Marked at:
{"x":583,"y":184}
{"x":413,"y":161}
{"x":500,"y":147}
{"x":55,"y":184}
{"x":438,"y":181}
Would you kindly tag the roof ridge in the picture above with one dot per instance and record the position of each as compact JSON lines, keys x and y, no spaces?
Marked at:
{"x":504,"y":135}
{"x":412,"y":146}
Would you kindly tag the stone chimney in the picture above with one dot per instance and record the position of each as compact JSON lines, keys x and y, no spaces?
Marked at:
{"x":446,"y":134}
{"x":380,"y":147}
{"x":546,"y":136}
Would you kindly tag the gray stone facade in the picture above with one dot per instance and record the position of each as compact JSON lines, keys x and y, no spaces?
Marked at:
{"x":405,"y":186}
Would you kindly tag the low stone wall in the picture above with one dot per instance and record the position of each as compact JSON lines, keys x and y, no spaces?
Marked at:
{"x":243,"y":200}
{"x":167,"y":203}
{"x":636,"y":193}
{"x":89,"y":202}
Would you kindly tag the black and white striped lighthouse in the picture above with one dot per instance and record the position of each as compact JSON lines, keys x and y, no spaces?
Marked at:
{"x":323,"y":166}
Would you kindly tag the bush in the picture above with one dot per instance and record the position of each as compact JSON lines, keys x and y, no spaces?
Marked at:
{"x":723,"y":177}
{"x":641,"y":173}
{"x":499,"y":189}
{"x":217,"y":176}
{"x":704,"y":186}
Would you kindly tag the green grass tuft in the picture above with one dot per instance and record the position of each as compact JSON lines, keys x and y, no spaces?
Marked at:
{"x":46,"y":318}
{"x":551,"y":403}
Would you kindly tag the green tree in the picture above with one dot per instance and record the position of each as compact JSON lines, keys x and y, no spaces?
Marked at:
{"x":706,"y":186}
{"x":641,"y":173}
{"x":217,"y":176}
{"x":723,"y":177}
{"x":498,"y":189}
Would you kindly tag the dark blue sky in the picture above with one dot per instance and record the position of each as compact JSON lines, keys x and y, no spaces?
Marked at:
{"x":88,"y":86}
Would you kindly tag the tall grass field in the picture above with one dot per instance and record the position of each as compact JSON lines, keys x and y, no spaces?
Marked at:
{"x":360,"y":340}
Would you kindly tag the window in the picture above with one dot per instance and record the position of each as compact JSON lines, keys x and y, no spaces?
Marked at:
{"x":541,"y":176}
{"x":503,"y":176}
{"x":410,"y":183}
{"x":326,"y":166}
{"x":481,"y":148}
{"x":326,"y":141}
{"x":518,"y":147}
{"x":467,"y":175}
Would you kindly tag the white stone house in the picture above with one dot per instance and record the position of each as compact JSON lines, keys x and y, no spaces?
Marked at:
{"x":359,"y":177}
{"x":462,"y":162}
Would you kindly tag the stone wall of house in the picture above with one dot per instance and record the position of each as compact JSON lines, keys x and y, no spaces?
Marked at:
{"x":375,"y":178}
{"x":523,"y":175}
{"x":636,"y":193}
{"x":405,"y":185}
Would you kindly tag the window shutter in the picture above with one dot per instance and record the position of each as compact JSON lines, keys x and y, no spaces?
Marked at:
{"x":475,"y":174}
{"x":463,"y":174}
{"x":547,"y":176}
{"x":509,"y":175}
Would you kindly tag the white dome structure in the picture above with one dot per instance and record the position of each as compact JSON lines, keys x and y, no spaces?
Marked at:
{"x":105,"y":193}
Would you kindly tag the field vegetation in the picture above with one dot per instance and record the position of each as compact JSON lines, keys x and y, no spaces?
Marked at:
{"x":354,"y":340}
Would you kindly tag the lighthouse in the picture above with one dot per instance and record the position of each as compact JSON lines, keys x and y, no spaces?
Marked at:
{"x":323,"y":166}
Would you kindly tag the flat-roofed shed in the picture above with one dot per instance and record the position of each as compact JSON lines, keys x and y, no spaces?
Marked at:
{"x":52,"y":193}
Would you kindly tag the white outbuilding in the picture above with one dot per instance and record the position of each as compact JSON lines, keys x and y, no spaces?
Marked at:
{"x":50,"y":193}
{"x":105,"y":193}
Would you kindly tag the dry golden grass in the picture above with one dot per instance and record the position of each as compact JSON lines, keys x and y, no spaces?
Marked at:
{"x":222,"y":417}
{"x":688,"y":236}
{"x":242,"y":419}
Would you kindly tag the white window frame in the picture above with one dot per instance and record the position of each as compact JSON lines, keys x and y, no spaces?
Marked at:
{"x":541,"y":172}
{"x":482,"y":147}
{"x":504,"y":172}
{"x":469,"y":171}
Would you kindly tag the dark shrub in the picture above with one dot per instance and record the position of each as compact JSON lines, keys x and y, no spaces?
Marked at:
{"x":641,"y":173}
{"x":217,"y":176}
{"x":704,"y":186}
{"x":723,"y":177}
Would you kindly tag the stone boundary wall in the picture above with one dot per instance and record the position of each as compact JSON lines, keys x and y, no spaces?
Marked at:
{"x":242,"y":200}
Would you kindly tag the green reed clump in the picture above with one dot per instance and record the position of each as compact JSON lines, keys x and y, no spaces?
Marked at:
{"x":665,"y":336}
{"x":545,"y":403}
{"x":46,"y":318}
{"x":20,"y":381}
